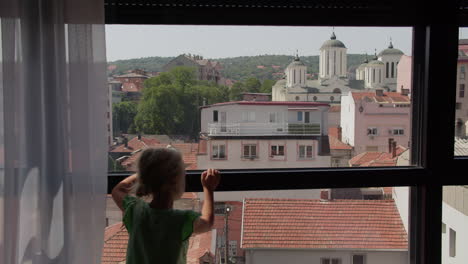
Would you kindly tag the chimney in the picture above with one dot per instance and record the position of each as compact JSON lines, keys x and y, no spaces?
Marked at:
{"x":390,"y":145}
{"x":324,"y":195}
{"x":379,"y":92}
{"x":125,"y":141}
{"x":339,"y":133}
{"x":404,"y":91}
{"x":139,"y":136}
{"x":393,"y":149}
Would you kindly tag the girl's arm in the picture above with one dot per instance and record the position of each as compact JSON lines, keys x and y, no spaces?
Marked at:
{"x":210,"y":180}
{"x":122,"y":189}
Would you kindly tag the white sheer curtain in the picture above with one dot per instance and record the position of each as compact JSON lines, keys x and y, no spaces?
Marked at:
{"x":53,"y":135}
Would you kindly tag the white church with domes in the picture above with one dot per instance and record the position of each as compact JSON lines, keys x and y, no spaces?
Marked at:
{"x":333,"y":81}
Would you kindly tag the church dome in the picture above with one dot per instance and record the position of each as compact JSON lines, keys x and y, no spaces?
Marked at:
{"x":296,"y":62}
{"x":375,"y":62}
{"x":364,"y":64}
{"x":333,"y":43}
{"x":391,"y":51}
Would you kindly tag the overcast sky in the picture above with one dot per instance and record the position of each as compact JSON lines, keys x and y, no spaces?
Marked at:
{"x":136,"y":41}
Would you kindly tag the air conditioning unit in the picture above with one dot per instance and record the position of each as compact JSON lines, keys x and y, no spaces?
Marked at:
{"x":371,"y":137}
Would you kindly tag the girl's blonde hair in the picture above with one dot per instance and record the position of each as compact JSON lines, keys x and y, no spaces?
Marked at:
{"x":161,"y":170}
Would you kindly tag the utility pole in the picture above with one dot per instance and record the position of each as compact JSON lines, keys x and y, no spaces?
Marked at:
{"x":226,"y":240}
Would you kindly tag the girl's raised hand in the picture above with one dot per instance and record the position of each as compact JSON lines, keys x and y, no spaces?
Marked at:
{"x":210,"y":179}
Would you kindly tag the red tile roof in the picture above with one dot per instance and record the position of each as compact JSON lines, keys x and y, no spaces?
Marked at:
{"x":316,"y":224}
{"x":376,"y":159}
{"x":189,"y":154}
{"x":335,"y":143}
{"x":116,"y":240}
{"x":115,"y":244}
{"x":335,"y":109}
{"x":136,"y":144}
{"x":389,"y":97}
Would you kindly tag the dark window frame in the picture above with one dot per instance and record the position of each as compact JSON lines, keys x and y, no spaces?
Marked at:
{"x":434,"y":66}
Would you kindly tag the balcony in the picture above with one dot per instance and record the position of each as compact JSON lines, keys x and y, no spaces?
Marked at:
{"x":264,"y":129}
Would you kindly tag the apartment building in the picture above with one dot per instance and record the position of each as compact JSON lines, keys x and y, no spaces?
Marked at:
{"x":370,"y":119}
{"x":251,"y":134}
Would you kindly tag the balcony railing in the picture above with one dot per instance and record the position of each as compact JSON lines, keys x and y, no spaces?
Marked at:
{"x":264,"y":129}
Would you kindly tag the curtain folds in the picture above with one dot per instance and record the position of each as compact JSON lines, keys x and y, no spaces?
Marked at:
{"x":53,"y":135}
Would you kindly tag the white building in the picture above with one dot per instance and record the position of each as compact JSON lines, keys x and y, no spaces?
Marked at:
{"x":250,"y":134}
{"x":333,"y":81}
{"x":333,"y":59}
{"x":323,"y":232}
{"x":455,"y":225}
{"x":381,"y":71}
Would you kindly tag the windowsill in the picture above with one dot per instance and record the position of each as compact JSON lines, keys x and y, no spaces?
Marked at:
{"x":218,"y":159}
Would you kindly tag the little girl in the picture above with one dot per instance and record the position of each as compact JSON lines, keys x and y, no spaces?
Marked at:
{"x":158,"y":233}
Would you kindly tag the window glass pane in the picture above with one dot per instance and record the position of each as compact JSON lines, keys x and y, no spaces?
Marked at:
{"x":379,"y":215}
{"x":461,"y":106}
{"x":164,"y":94}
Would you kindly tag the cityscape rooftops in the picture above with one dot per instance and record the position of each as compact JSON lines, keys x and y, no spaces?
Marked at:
{"x":386,"y":97}
{"x":288,"y":103}
{"x":322,"y":224}
{"x":377,"y":159}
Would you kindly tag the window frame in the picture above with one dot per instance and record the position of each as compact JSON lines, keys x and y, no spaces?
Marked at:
{"x":434,"y":66}
{"x":218,"y":145}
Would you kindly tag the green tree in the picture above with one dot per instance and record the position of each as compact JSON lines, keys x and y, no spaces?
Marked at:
{"x":235,"y":93}
{"x":252,"y":85}
{"x":123,"y":114}
{"x":159,"y":111}
{"x":266,"y":86}
{"x":171,"y":102}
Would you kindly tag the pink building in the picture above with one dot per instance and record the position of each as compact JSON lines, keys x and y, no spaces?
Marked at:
{"x":370,"y":119}
{"x":461,"y":112}
{"x":405,"y":74}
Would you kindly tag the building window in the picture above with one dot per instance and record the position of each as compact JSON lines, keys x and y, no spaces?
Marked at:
{"x":458,"y":106}
{"x":299,"y":116}
{"x":248,"y":116}
{"x":215,"y":116}
{"x":386,"y":69}
{"x":277,"y":150}
{"x":218,"y":151}
{"x":358,"y":259}
{"x":275,"y":117}
{"x":462,"y":72}
{"x":330,"y":261}
{"x":444,"y":228}
{"x":397,"y":131}
{"x":462,"y":91}
{"x":452,"y":243}
{"x":305,"y":152}
{"x":249,"y":151}
{"x":393,"y":69}
{"x":372,"y":148}
{"x":372,"y":131}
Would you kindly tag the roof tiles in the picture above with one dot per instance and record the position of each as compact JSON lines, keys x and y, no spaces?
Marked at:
{"x":316,"y":224}
{"x":116,"y":240}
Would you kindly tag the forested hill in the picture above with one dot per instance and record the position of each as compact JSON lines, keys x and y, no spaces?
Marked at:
{"x":238,"y":68}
